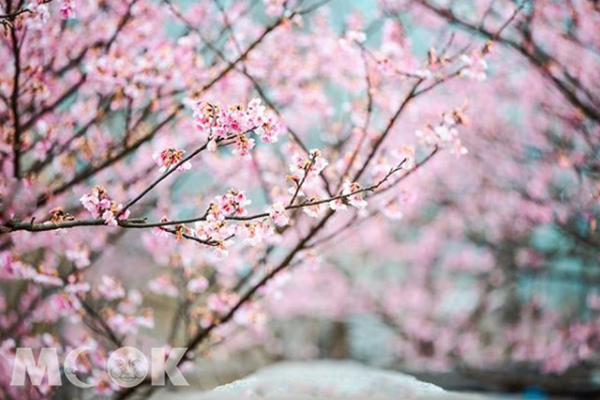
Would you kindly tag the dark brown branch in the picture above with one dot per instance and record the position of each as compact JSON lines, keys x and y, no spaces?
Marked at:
{"x":13,"y":226}
{"x":14,"y":103}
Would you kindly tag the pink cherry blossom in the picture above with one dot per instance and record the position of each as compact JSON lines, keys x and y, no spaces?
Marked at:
{"x":169,"y":157}
{"x":278,"y":214}
{"x":100,"y":206}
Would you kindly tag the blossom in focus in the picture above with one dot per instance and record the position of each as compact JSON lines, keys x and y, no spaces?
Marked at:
{"x":315,"y":210}
{"x":243,"y":145}
{"x":306,"y":168}
{"x":234,"y":202}
{"x":99,"y":205}
{"x":237,"y":122}
{"x":169,"y":157}
{"x":278,"y":214}
{"x":356,"y":200}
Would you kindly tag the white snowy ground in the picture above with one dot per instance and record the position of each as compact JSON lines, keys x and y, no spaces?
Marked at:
{"x":322,"y":380}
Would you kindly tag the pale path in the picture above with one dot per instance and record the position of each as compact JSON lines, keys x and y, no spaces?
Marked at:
{"x":324,"y":380}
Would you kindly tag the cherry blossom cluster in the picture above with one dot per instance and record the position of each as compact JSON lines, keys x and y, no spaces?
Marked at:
{"x":445,"y":134}
{"x":255,"y":233}
{"x":67,"y":8}
{"x":305,"y":170}
{"x":217,"y":231}
{"x":475,"y":67}
{"x":99,"y":204}
{"x":234,"y":203}
{"x":278,"y":214}
{"x":170,"y":157}
{"x":236,"y":122}
{"x":356,"y":200}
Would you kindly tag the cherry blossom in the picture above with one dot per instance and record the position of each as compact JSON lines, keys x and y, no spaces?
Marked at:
{"x":475,"y":67}
{"x":67,"y":9}
{"x":169,"y":157}
{"x":355,"y":200}
{"x":99,"y":205}
{"x":278,"y":214}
